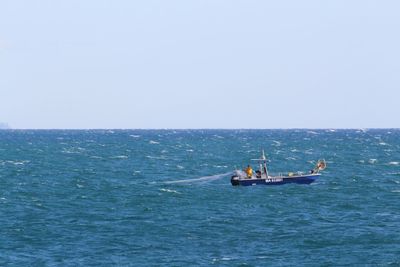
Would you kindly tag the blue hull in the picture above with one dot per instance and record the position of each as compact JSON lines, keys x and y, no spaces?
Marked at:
{"x":300,"y":179}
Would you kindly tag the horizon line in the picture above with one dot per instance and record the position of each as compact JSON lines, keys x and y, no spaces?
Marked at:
{"x":185,"y":129}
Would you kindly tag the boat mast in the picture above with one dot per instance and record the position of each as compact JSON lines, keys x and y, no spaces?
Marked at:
{"x":265,"y":170}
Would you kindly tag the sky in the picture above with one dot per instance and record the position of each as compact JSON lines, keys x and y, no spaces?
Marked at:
{"x":72,"y":64}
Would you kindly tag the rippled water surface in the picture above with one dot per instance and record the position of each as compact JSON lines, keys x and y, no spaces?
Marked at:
{"x":90,"y":198}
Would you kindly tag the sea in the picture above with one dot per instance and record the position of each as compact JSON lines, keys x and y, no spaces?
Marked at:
{"x":164,"y":198}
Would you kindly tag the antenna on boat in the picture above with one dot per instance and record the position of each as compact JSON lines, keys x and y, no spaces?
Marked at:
{"x":263,"y":155}
{"x":264,"y":158}
{"x":263,"y":164}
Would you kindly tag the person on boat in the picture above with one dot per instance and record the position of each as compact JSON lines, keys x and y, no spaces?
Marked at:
{"x":249,"y":171}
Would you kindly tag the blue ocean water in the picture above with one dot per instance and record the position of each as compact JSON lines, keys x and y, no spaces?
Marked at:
{"x":101,"y":198}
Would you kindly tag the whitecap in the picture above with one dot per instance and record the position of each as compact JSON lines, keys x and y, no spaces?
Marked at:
{"x":169,"y":191}
{"x":189,"y":150}
{"x":395,"y":191}
{"x":79,"y":186}
{"x":17,"y":162}
{"x":394,"y":163}
{"x":180,"y":167}
{"x":383,"y":144}
{"x":220,"y":166}
{"x":276,"y":143}
{"x":119,"y":157}
{"x":372,"y":161}
{"x":222,"y":259}
{"x":73,"y":150}
{"x":154,"y":142}
{"x":153,"y":157}
{"x":134,"y":136}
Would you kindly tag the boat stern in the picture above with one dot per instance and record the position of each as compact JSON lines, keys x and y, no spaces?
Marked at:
{"x":235,"y":180}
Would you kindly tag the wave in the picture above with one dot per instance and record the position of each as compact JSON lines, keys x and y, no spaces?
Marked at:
{"x":73,"y":150}
{"x":220,"y":166}
{"x":96,"y":157}
{"x":119,"y":157}
{"x":154,"y":157}
{"x":200,"y":179}
{"x":276,"y":143}
{"x":14,"y":162}
{"x":169,"y":191}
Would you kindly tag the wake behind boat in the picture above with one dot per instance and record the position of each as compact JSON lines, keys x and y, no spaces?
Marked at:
{"x":261,"y":177}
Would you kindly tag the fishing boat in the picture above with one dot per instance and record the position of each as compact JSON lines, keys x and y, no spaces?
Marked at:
{"x":262,"y":177}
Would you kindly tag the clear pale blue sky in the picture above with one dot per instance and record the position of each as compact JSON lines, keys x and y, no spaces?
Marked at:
{"x":199,"y":64}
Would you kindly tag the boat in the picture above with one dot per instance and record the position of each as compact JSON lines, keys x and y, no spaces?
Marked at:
{"x":262,"y":177}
